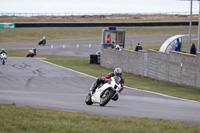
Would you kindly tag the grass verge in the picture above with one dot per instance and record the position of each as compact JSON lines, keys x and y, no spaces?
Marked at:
{"x":23,"y":119}
{"x":64,"y":33}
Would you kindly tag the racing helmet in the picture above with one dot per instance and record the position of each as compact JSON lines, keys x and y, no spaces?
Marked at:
{"x":2,"y":49}
{"x":118,"y":71}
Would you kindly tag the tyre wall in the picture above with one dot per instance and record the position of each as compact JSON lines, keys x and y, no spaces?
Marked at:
{"x":99,"y":24}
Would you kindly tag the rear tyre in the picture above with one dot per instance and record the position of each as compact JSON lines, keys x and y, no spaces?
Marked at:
{"x":88,"y":99}
{"x":105,"y":97}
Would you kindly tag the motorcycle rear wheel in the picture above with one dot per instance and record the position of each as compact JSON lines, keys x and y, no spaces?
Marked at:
{"x":3,"y":62}
{"x":88,"y":100}
{"x":105,"y":98}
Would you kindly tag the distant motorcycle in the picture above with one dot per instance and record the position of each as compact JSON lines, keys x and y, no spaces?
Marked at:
{"x":3,"y":58}
{"x":32,"y":52}
{"x":105,"y":92}
{"x":118,"y":47}
{"x":42,"y":41}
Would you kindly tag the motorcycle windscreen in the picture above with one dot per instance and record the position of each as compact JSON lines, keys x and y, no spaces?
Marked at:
{"x":117,"y":79}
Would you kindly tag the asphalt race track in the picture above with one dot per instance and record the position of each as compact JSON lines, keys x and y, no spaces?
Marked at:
{"x":71,"y":45}
{"x":34,"y":82}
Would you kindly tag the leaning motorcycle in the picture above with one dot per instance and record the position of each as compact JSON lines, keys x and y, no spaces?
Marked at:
{"x":32,"y":53}
{"x":3,"y":58}
{"x":42,"y":42}
{"x":105,"y":92}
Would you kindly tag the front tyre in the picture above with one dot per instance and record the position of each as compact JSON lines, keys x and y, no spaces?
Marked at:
{"x":116,"y":97}
{"x":3,"y":62}
{"x":88,"y":99}
{"x":105,"y":97}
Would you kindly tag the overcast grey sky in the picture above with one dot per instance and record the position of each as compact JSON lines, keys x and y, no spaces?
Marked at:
{"x":97,"y":6}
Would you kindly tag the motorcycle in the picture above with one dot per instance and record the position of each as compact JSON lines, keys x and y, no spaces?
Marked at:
{"x":118,"y":47}
{"x":3,"y":58}
{"x":42,"y":41}
{"x":105,"y":92}
{"x":31,"y":53}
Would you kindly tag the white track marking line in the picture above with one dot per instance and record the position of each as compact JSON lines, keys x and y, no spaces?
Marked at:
{"x":124,"y":86}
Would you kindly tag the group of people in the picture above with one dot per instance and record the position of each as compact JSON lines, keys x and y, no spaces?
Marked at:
{"x":178,"y":47}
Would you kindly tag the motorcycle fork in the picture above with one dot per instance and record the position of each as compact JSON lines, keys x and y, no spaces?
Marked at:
{"x":105,"y":92}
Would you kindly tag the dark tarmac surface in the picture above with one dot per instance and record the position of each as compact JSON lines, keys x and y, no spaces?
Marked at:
{"x":71,"y":45}
{"x":34,"y":82}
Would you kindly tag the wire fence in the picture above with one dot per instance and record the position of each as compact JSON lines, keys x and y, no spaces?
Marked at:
{"x":80,"y":14}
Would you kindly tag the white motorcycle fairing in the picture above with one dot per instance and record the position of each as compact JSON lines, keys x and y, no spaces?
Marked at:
{"x":96,"y":97}
{"x":3,"y":58}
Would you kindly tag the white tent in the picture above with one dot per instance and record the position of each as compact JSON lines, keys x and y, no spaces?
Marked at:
{"x":170,"y":43}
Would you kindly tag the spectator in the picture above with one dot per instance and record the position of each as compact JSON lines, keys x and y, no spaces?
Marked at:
{"x":193,"y":49}
{"x":138,"y":47}
{"x":113,"y":45}
{"x":108,"y":38}
{"x":178,"y":45}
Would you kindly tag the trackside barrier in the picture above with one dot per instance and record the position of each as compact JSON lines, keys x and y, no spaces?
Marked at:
{"x":119,"y":24}
{"x":7,"y":25}
{"x":175,"y":67}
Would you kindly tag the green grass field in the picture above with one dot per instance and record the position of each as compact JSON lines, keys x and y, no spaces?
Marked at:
{"x":25,"y":119}
{"x":65,"y":33}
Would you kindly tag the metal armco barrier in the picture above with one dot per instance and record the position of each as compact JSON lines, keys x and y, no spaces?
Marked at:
{"x":120,"y":24}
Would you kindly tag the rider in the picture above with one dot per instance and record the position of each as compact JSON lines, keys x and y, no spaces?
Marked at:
{"x":43,"y":39}
{"x":117,"y":71}
{"x":3,"y":51}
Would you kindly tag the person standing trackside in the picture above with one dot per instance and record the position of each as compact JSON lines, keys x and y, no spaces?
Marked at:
{"x":178,"y":45}
{"x":108,"y":38}
{"x":193,"y":49}
{"x":138,"y":47}
{"x":113,"y":45}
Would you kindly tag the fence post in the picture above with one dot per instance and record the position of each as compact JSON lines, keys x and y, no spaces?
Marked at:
{"x":145,"y":63}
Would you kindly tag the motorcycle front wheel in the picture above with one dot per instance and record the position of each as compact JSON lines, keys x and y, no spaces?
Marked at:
{"x":3,"y":62}
{"x":88,"y":100}
{"x":105,"y":97}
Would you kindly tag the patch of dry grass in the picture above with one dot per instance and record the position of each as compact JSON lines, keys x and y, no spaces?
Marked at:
{"x":99,"y":18}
